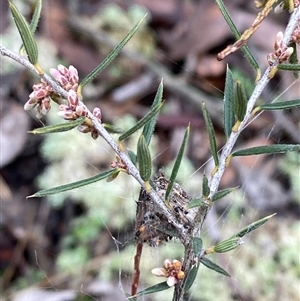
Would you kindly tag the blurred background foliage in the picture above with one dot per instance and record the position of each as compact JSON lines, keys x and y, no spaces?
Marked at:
{"x":80,"y":244}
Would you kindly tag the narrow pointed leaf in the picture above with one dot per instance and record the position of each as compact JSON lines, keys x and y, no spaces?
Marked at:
{"x":289,"y":67}
{"x":228,"y":245}
{"x":197,"y":246}
{"x":36,"y":16}
{"x":211,"y":265}
{"x":211,"y":134}
{"x":74,"y":185}
{"x":112,"y":55}
{"x":162,"y":286}
{"x":35,"y":20}
{"x":177,"y":163}
{"x":111,"y":129}
{"x":205,"y":188}
{"x":132,"y":157}
{"x":141,"y":122}
{"x":281,"y":105}
{"x":112,"y":177}
{"x":195,"y":203}
{"x":26,"y":34}
{"x":58,"y":128}
{"x":229,"y":119}
{"x":191,"y":276}
{"x":268,"y":149}
{"x":240,"y":101}
{"x":221,"y":194}
{"x":253,"y":226}
{"x":237,"y":35}
{"x":150,"y":125}
{"x":144,"y":159}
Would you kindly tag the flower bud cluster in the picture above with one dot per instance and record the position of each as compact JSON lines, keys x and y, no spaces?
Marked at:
{"x":67,"y":78}
{"x":171,"y":270}
{"x":39,"y":98}
{"x":282,"y":52}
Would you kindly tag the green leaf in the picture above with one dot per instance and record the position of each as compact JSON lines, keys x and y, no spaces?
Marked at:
{"x":211,"y":134}
{"x":240,"y":101}
{"x":112,"y":177}
{"x":111,"y":56}
{"x":132,"y":156}
{"x":58,"y":128}
{"x":211,"y":265}
{"x":253,"y":226}
{"x":74,"y":185}
{"x":162,"y":286}
{"x":280,"y":105}
{"x":111,"y":129}
{"x":177,"y":163}
{"x":221,"y":194}
{"x":237,"y":35}
{"x":228,"y":245}
{"x":205,"y":188}
{"x":268,"y":149}
{"x":191,"y":276}
{"x":26,"y":35}
{"x":36,"y":16}
{"x":197,"y":246}
{"x":289,"y":67}
{"x":150,"y":125}
{"x":229,"y":119}
{"x":144,"y":159}
{"x":195,"y":203}
{"x":141,"y":122}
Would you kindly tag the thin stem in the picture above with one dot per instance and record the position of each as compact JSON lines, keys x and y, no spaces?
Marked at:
{"x":260,"y":86}
{"x":102,"y":131}
{"x":136,"y":272}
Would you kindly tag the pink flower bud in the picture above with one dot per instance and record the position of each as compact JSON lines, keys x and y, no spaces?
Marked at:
{"x":167,"y":263}
{"x":61,"y":79}
{"x":45,"y":106}
{"x":41,"y":93}
{"x":73,"y":75}
{"x":63,"y":70}
{"x":30,"y":104}
{"x":97,"y":113}
{"x":72,"y":98}
{"x":285,"y":55}
{"x":80,"y":111}
{"x":74,"y":87}
{"x":37,"y":87}
{"x":68,"y":115}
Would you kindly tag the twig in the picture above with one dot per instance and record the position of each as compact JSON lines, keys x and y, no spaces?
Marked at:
{"x":130,"y":166}
{"x":136,"y":272}
{"x":260,"y":86}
